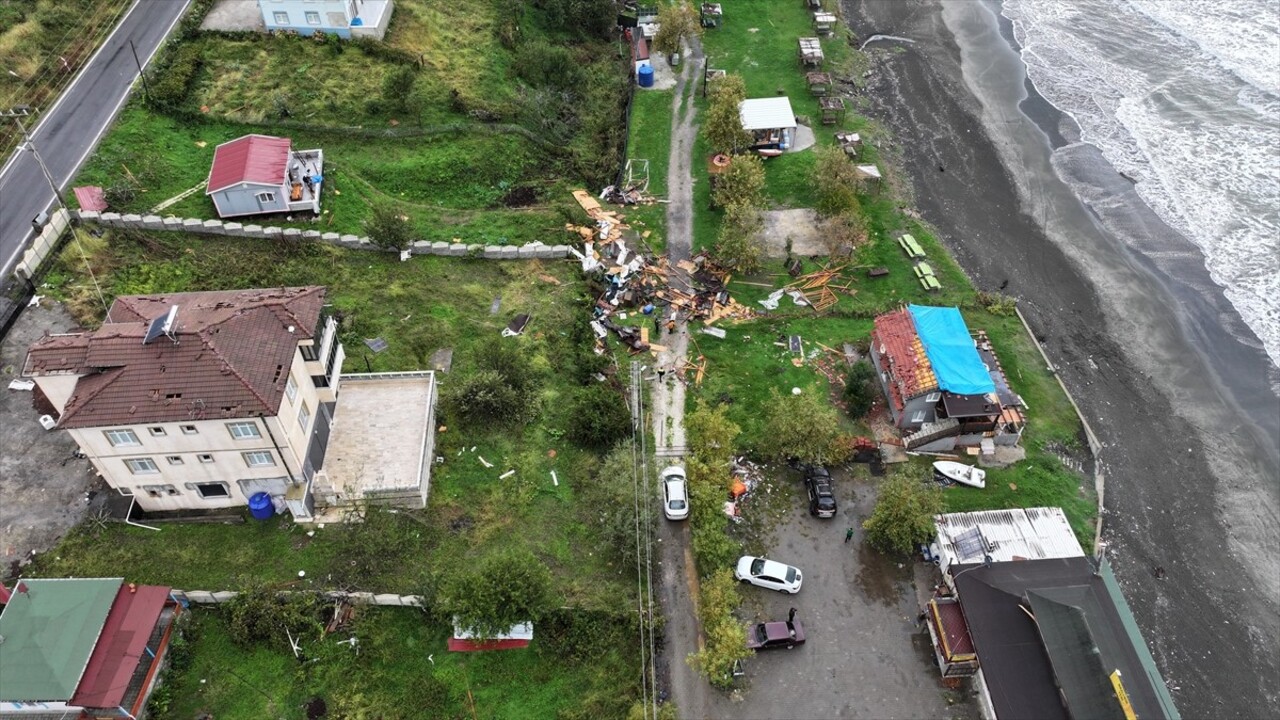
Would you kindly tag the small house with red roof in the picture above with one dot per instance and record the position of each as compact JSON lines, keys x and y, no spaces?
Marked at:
{"x":82,"y":648}
{"x":261,"y":174}
{"x":945,"y":388}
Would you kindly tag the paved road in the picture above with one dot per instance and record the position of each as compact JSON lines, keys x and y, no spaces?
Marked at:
{"x":69,"y":131}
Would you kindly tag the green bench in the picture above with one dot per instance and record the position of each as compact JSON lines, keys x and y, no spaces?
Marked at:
{"x":927,"y":279}
{"x":911,"y":247}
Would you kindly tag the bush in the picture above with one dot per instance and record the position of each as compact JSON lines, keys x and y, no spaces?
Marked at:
{"x":835,"y":181}
{"x":726,"y":635}
{"x":260,"y":615}
{"x":861,"y":388}
{"x":738,"y":245}
{"x":711,"y":439}
{"x":544,"y":65}
{"x":587,"y":18}
{"x":742,"y":183}
{"x":723,"y":126}
{"x":170,"y":81}
{"x":676,"y":22}
{"x":612,"y":496}
{"x":844,"y":232}
{"x":397,"y":88}
{"x":480,"y":398}
{"x":800,"y":427}
{"x":370,"y":556}
{"x":599,"y":417}
{"x":388,"y":227}
{"x":903,"y":516}
{"x":506,"y":588}
{"x":503,"y":389}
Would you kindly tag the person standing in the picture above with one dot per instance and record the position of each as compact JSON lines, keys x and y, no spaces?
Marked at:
{"x":848,"y":535}
{"x":791,"y":616}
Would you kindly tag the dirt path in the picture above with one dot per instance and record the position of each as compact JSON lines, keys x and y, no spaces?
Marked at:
{"x":682,"y":634}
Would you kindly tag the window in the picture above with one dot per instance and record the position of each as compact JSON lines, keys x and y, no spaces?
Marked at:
{"x":313,"y":18}
{"x":142,"y":466}
{"x":267,"y":197}
{"x":244,"y":430}
{"x":259,"y":458}
{"x":282,"y":18}
{"x":291,"y":389}
{"x":304,"y":416}
{"x":156,"y":491}
{"x":121,"y":438}
{"x":156,"y":431}
{"x":213,"y":490}
{"x":205,"y":458}
{"x":918,"y":417}
{"x":190,"y":430}
{"x":174,"y":459}
{"x":933,"y":397}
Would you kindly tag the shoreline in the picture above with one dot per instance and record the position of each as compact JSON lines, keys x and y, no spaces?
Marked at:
{"x":1141,"y":375}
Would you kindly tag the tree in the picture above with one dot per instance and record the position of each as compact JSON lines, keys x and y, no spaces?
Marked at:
{"x":711,"y":433}
{"x":802,"y":427}
{"x":738,"y":246}
{"x":599,"y":417}
{"x":260,"y":614}
{"x":860,"y":388}
{"x":612,"y":494}
{"x":503,"y":387}
{"x":742,"y":183}
{"x":508,"y":587}
{"x":842,"y":233}
{"x":397,"y":88}
{"x":723,"y":125}
{"x":726,"y":635}
{"x":388,"y":227}
{"x":835,"y":182}
{"x":675,"y":24}
{"x":903,"y":516}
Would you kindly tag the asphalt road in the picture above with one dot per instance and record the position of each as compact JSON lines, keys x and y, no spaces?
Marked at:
{"x":66,"y":133}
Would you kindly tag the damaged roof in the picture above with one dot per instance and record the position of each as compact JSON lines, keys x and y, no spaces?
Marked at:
{"x":895,"y":338}
{"x":228,"y":355}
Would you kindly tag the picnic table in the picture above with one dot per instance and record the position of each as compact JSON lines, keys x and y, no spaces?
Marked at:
{"x":927,"y":279}
{"x":911,"y":247}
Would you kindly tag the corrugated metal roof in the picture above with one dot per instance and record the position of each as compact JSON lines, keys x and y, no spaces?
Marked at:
{"x":260,"y":159}
{"x":124,"y":638}
{"x":766,"y":113}
{"x":1018,"y":534}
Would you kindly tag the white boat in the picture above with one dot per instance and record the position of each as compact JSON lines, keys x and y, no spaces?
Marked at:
{"x":961,"y":473}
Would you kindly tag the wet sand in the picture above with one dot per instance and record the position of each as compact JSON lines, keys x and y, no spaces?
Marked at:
{"x":1146,"y":344}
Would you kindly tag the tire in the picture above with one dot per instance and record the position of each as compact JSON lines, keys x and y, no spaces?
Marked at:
{"x":743,"y":581}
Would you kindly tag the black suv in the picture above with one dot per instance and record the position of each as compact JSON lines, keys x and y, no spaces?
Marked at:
{"x":822,"y":495}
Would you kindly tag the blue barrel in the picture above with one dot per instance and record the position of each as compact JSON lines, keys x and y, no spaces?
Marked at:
{"x":645,"y":76}
{"x":260,"y":506}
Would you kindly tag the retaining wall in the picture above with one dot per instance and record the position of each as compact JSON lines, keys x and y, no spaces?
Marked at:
{"x":353,"y":242}
{"x":205,"y":597}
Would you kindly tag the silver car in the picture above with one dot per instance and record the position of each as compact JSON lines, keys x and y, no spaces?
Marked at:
{"x":675,"y":493}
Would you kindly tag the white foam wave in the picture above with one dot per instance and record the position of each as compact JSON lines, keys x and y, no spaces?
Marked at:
{"x":1243,"y":35}
{"x":1166,"y":105}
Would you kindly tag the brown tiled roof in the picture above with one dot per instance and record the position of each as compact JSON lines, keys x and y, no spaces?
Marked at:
{"x":231,"y":357}
{"x":895,"y":332}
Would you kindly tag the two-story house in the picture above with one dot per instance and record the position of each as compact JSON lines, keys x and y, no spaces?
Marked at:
{"x":344,"y":18}
{"x":199,"y":400}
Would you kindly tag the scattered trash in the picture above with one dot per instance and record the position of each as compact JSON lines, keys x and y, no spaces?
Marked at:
{"x":554,"y":480}
{"x":375,"y":344}
{"x":796,"y":391}
{"x":484,"y":462}
{"x":795,"y":344}
{"x":493,"y":307}
{"x":714,"y":332}
{"x":506,"y":474}
{"x":22,"y":384}
{"x":35,"y":301}
{"x":405,"y":255}
{"x":516,"y":326}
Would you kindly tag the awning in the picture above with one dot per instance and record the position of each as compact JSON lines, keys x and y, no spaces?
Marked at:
{"x":766,"y":114}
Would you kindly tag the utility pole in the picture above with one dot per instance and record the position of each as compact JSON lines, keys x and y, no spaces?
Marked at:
{"x":146,"y":90}
{"x":17,"y":113}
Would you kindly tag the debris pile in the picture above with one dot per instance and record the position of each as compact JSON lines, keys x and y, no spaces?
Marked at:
{"x":636,"y":282}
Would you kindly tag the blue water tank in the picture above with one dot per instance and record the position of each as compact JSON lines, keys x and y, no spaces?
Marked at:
{"x":644,"y":76}
{"x":260,"y":506}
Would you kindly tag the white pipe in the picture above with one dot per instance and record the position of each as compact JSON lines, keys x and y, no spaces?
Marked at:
{"x":133,"y":500}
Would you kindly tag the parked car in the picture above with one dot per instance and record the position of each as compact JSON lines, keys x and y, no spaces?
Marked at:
{"x":675,"y":494}
{"x":770,"y":635}
{"x":822,"y":496}
{"x":768,"y":574}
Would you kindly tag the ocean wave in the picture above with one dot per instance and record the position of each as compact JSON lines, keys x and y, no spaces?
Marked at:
{"x":1193,"y":120}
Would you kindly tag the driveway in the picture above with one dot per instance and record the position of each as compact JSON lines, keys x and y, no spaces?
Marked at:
{"x":44,"y":489}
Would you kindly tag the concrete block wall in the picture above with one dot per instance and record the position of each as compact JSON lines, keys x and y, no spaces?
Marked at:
{"x":204,"y":597}
{"x":234,"y":229}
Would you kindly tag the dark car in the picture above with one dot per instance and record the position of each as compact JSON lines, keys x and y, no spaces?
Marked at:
{"x":770,"y":635}
{"x":822,"y":495}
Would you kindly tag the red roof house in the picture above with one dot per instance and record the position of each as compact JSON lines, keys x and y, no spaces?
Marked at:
{"x":258,"y":174}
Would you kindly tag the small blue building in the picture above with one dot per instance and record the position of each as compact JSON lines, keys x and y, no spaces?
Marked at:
{"x":344,"y":18}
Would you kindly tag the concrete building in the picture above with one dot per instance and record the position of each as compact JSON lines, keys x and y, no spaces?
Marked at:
{"x":343,"y":18}
{"x":201,"y":400}
{"x":260,"y":174}
{"x":82,"y":648}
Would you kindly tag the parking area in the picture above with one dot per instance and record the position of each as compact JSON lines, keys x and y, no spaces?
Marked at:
{"x":864,"y":657}
{"x":44,"y":488}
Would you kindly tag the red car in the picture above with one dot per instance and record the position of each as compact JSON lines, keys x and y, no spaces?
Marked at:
{"x":780,"y":634}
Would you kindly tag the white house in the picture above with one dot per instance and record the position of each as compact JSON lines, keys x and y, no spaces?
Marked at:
{"x":200,"y":400}
{"x":344,"y":18}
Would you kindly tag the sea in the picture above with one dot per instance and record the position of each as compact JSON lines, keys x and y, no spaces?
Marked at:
{"x":1182,"y":97}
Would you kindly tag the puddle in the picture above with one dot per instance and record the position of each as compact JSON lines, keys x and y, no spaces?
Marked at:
{"x":879,"y":576}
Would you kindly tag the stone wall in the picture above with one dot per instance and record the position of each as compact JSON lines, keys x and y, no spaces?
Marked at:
{"x":205,"y":597}
{"x":354,"y":242}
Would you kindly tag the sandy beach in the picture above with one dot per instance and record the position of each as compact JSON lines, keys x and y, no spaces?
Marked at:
{"x":1147,"y":346}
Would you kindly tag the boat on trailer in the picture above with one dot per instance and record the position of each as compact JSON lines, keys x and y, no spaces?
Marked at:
{"x":960,"y":473}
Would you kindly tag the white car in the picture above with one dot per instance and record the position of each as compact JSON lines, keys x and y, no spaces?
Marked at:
{"x":675,"y":494}
{"x":768,"y":574}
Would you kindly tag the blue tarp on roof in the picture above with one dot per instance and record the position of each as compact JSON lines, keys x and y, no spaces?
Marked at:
{"x":951,"y":351}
